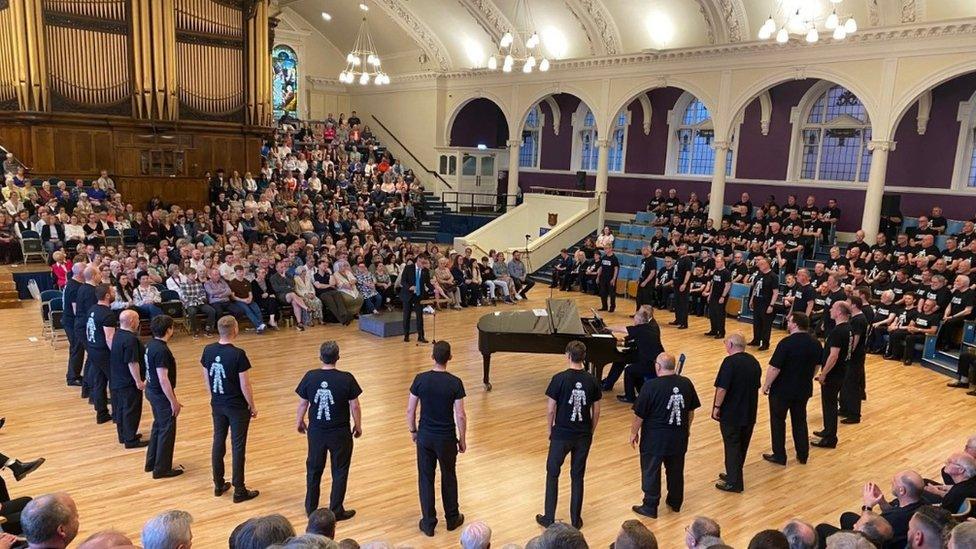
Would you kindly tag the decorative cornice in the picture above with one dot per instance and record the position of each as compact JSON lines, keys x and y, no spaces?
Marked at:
{"x":874,"y":13}
{"x":909,"y":11}
{"x":885,"y":146}
{"x":583,"y":27}
{"x":709,"y":23}
{"x":597,"y":21}
{"x":489,"y":17}
{"x":736,"y":22}
{"x":418,"y":30}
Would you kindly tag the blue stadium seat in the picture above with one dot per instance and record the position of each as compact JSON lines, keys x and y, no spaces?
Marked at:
{"x":644,"y":218}
{"x":954,"y":227}
{"x":909,"y":222}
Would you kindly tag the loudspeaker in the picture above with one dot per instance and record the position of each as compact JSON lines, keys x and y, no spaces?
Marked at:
{"x":581,"y":180}
{"x":891,"y":205}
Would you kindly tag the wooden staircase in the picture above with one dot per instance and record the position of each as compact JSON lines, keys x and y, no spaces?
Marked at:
{"x":9,"y":298}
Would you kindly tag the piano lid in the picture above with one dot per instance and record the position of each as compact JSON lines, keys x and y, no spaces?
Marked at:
{"x":561,"y":315}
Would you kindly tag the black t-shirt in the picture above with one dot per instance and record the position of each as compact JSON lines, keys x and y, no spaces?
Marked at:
{"x":99,"y":317}
{"x":224,"y":363}
{"x":839,"y":338}
{"x":68,"y":299}
{"x":648,"y":265}
{"x":902,"y":288}
{"x":682,"y":267}
{"x":802,"y":295}
{"x":126,"y":349}
{"x":647,"y":338}
{"x":740,"y":375}
{"x":925,"y":321}
{"x":158,"y":357}
{"x":958,"y":301}
{"x":942,"y":296}
{"x":859,"y":327}
{"x":797,"y":356}
{"x":906,"y":316}
{"x":608,"y":265}
{"x":437,"y":392}
{"x":762,"y":289}
{"x":720,"y":279}
{"x":574,"y":391}
{"x":664,"y":404}
{"x":84,"y":300}
{"x":328,"y":393}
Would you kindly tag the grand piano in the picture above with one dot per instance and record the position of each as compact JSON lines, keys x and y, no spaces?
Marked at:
{"x":547,"y":331}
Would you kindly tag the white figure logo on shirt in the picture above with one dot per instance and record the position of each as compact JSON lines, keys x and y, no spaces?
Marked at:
{"x":578,"y":399}
{"x":217,"y":376}
{"x":676,"y":403}
{"x":323,"y":397}
{"x":145,"y":358}
{"x":90,"y":328}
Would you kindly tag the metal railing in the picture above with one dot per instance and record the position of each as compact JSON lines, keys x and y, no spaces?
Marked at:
{"x":562,"y":192}
{"x":410,"y":153}
{"x":470,"y":202}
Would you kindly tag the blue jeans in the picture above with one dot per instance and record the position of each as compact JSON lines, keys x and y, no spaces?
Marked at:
{"x":251,"y":310}
{"x":150,"y":309}
{"x":373,"y":304}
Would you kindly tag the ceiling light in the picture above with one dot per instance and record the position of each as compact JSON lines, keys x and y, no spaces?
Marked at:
{"x":492,"y":63}
{"x":832,"y":21}
{"x":364,"y":7}
{"x":812,"y":35}
{"x":544,"y":65}
{"x":660,"y":27}
{"x":506,"y":40}
{"x":554,"y":42}
{"x":850,"y":25}
{"x":526,"y":68}
{"x":801,"y":17}
{"x":506,"y":68}
{"x":326,"y":16}
{"x":363,"y":63}
{"x":783,"y":36}
{"x":519,"y":44}
{"x":840,"y":33}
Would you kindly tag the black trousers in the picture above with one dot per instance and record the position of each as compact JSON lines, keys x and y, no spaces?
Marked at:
{"x":651,"y":480}
{"x":852,"y":390}
{"x":829,"y":397}
{"x":797,"y":408}
{"x":716,"y":316}
{"x":211,"y":314}
{"x":11,"y":507}
{"x":127,"y":411}
{"x":645,"y":294}
{"x":967,"y":366}
{"x":84,"y":356}
{"x":97,"y":377}
{"x":736,"y":439}
{"x":949,"y":332}
{"x":162,"y":438}
{"x":634,"y":375}
{"x":76,"y":352}
{"x":430,"y":455}
{"x":523,"y":286}
{"x":681,"y":307}
{"x":578,"y":449}
{"x":338,"y":446}
{"x":607,"y":291}
{"x":762,"y":323}
{"x":411,"y":304}
{"x":237,"y":420}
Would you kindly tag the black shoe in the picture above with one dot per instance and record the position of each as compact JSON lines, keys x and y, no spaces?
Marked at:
{"x":103,"y":419}
{"x":168,"y":474}
{"x":244,"y":495}
{"x":726,"y":487}
{"x":907,"y":362}
{"x":850,"y":421}
{"x":824,"y":443}
{"x":428,"y":531}
{"x":764,"y":347}
{"x":543,"y":521}
{"x":682,"y":326}
{"x":673,"y":323}
{"x":74,"y":383}
{"x":3,"y":421}
{"x":453,"y":525}
{"x":422,"y":340}
{"x":819,"y":434}
{"x":222,"y":489}
{"x":85,"y":391}
{"x":753,"y":343}
{"x":709,"y":334}
{"x":149,"y":468}
{"x":21,"y":470}
{"x":673,"y":508}
{"x":722,"y":477}
{"x":971,"y":393}
{"x":602,"y":309}
{"x":345,"y":514}
{"x":626,"y":399}
{"x":137,"y":444}
{"x":719,"y":336}
{"x":406,"y":339}
{"x":578,"y":524}
{"x":772,"y":458}
{"x":641,"y":510}
{"x":958,"y":384}
{"x":803,"y":460}
{"x":613,"y":309}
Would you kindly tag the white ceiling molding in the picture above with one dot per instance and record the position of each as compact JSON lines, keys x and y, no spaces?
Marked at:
{"x":419,"y":31}
{"x":709,"y":16}
{"x":596,"y":21}
{"x":557,"y":114}
{"x":924,"y":111}
{"x":489,"y":18}
{"x":766,"y":111}
{"x":909,"y":11}
{"x":736,"y":23}
{"x":874,"y":13}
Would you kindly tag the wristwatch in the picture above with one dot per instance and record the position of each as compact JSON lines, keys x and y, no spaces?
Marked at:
{"x":866,"y":507}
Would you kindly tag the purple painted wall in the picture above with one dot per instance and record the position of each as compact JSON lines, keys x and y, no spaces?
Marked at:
{"x":650,"y":151}
{"x":927,"y":160}
{"x":767,"y":156}
{"x":480,"y":122}
{"x":557,"y":150}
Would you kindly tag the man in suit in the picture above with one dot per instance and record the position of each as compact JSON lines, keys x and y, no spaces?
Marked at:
{"x":415,"y":286}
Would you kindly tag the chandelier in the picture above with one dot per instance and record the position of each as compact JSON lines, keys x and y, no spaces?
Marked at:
{"x":520,"y":47}
{"x":802,"y":18}
{"x":362,"y":63}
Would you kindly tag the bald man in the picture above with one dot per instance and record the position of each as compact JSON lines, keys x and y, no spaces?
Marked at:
{"x":50,"y":521}
{"x":76,"y":347}
{"x":907,"y":488}
{"x":801,"y":535}
{"x":125,"y":380}
{"x":735,"y":406}
{"x":106,"y":539}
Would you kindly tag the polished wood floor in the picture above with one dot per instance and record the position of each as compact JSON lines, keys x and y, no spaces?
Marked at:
{"x":911,"y":420}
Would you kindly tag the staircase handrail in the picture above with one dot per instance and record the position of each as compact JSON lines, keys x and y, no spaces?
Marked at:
{"x":410,"y":153}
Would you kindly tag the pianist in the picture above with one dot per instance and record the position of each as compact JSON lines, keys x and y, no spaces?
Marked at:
{"x":644,"y":340}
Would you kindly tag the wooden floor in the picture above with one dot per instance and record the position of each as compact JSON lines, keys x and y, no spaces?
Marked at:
{"x":911,"y":420}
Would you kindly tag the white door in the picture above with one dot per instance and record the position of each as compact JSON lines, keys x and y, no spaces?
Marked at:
{"x":478,"y":179}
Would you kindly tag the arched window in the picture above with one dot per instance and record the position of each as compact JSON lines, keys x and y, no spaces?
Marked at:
{"x":971,"y":182}
{"x":589,"y":152}
{"x":835,"y":134}
{"x":586,"y":149}
{"x":531,"y":139}
{"x":618,"y":143}
{"x":284,"y":82}
{"x":692,"y":152}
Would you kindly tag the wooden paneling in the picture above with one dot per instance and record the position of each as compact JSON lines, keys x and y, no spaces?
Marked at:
{"x":186,"y":191}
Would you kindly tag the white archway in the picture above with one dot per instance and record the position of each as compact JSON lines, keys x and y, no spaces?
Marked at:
{"x":931,"y":81}
{"x":524,"y":108}
{"x":463,"y":102}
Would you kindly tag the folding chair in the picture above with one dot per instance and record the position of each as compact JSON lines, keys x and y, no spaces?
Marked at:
{"x":31,"y":246}
{"x":47,"y":296}
{"x":114,"y":238}
{"x":57,"y":327}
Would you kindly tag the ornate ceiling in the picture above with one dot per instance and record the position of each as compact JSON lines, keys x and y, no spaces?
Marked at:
{"x":442,"y":35}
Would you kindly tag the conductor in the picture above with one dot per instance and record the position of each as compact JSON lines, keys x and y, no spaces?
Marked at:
{"x":414,"y":287}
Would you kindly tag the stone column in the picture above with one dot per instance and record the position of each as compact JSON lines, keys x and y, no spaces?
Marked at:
{"x":513,"y":167}
{"x":717,"y":198}
{"x":875,"y":190}
{"x":602,"y":176}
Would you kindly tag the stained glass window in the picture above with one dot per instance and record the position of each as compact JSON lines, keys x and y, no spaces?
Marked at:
{"x":695,"y":134}
{"x":284,"y":82}
{"x":835,"y":137}
{"x":531,"y":133}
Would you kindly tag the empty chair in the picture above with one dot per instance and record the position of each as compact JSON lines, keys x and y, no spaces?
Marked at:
{"x":31,"y":246}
